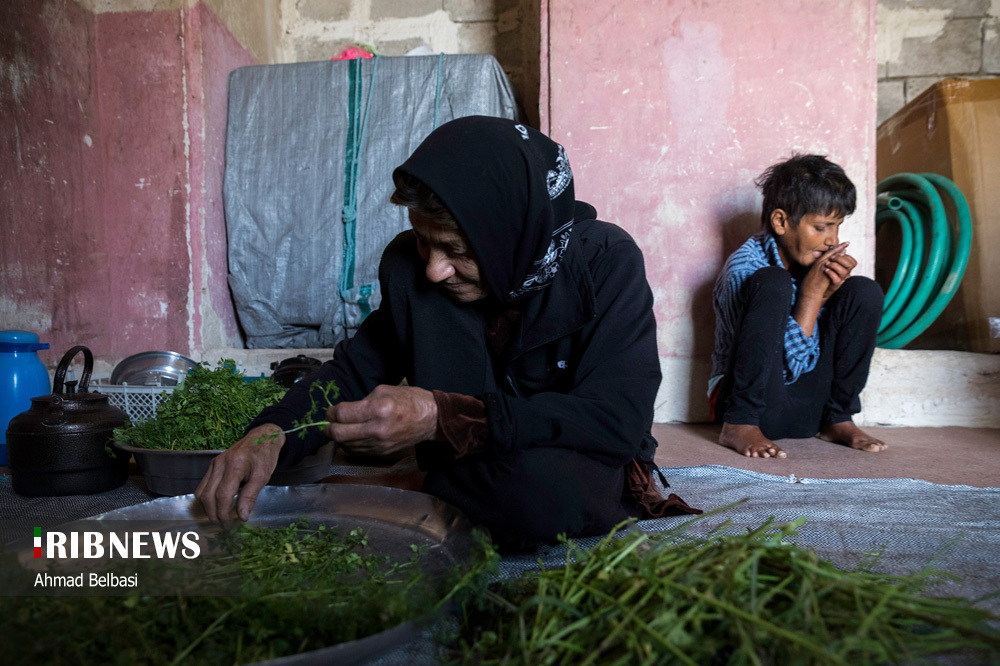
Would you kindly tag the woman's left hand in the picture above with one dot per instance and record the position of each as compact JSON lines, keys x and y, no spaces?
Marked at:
{"x":386,"y":422}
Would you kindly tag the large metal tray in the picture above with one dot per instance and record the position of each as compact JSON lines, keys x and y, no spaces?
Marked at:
{"x":395,"y":519}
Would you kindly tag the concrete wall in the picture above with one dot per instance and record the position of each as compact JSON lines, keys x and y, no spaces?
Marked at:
{"x":507,"y":29}
{"x":921,"y":42}
{"x":932,"y":388}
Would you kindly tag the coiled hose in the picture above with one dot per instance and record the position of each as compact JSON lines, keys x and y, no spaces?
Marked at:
{"x":933,"y":254}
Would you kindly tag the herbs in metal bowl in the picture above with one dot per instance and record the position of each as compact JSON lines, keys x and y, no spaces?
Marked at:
{"x":206,"y":414}
{"x":209,"y":410}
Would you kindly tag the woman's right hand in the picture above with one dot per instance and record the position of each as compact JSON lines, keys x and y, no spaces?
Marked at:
{"x":250,"y":462}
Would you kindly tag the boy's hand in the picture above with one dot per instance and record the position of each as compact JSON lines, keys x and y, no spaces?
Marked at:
{"x":838,"y":269}
{"x":826,"y":274}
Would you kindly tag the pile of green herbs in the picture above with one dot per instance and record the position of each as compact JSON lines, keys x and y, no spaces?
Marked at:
{"x":724,"y":599}
{"x":209,"y":410}
{"x":303,"y":588}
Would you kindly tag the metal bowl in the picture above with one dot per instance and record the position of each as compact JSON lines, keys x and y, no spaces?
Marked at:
{"x":178,"y":472}
{"x":152,"y":368}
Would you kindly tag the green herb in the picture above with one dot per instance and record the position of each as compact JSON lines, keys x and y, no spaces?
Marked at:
{"x":303,"y":588}
{"x":327,"y":394}
{"x":724,"y":599}
{"x":210,"y":409}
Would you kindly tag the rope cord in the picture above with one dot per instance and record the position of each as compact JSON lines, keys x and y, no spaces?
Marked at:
{"x":357,"y":125}
{"x":437,"y":91}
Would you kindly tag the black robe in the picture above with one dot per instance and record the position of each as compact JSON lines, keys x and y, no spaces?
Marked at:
{"x":570,"y":402}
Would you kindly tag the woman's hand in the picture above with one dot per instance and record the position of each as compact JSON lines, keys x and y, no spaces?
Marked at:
{"x":386,"y":422}
{"x":251,"y":461}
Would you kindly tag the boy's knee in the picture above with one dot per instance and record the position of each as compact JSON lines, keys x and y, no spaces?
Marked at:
{"x":772,"y":282}
{"x":863,"y":293}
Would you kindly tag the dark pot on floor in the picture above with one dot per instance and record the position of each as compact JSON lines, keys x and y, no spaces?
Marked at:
{"x":62,"y":444}
{"x":291,"y":370}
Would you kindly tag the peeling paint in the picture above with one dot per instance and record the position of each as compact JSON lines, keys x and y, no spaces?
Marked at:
{"x":118,"y":6}
{"x":437,"y":28}
{"x":810,"y":103}
{"x":35,"y":317}
{"x":699,"y":79}
{"x":897,"y":25}
{"x":186,"y":132}
{"x":17,"y":76}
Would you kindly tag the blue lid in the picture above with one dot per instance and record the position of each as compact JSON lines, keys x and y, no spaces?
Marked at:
{"x":14,"y":340}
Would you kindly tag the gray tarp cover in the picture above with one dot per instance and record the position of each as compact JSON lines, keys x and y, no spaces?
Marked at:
{"x":284,"y":189}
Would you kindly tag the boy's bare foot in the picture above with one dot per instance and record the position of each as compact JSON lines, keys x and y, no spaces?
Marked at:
{"x":748,"y":440}
{"x":847,"y":433}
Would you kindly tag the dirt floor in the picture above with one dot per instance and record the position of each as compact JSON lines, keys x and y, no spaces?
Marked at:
{"x":952,"y":456}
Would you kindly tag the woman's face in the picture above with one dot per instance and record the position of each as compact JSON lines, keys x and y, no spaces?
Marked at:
{"x":801,"y":244}
{"x":451,"y":263}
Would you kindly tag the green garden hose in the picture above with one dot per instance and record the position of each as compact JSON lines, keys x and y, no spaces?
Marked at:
{"x":933,"y":255}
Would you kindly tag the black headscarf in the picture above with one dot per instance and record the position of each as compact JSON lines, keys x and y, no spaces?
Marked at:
{"x":510,"y":189}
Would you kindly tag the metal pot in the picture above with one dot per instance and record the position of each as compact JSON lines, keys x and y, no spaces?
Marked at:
{"x":291,"y":370}
{"x":62,"y":444}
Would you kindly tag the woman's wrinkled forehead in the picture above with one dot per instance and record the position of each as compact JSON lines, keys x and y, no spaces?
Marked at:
{"x":507,"y":186}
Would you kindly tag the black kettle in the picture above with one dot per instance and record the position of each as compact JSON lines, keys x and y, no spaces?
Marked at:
{"x":291,"y":370}
{"x":62,"y":444}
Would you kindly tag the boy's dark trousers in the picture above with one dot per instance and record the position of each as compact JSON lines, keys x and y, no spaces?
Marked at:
{"x":753,"y":390}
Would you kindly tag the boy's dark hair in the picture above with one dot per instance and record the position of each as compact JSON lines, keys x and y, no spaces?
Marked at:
{"x":806,"y":184}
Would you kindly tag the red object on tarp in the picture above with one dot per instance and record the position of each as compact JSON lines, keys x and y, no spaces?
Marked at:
{"x":351,"y":53}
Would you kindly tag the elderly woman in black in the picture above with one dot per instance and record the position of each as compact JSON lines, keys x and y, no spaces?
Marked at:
{"x":524,"y":330}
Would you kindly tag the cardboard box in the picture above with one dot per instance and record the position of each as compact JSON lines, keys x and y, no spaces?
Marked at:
{"x":953,"y":129}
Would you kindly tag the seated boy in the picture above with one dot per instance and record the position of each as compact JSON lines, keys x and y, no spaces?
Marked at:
{"x":795,"y":331}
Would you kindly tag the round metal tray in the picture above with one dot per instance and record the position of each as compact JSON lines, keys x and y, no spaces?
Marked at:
{"x":152,"y":368}
{"x":394,"y":519}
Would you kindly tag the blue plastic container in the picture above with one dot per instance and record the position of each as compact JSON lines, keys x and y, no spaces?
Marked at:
{"x":22,"y":377}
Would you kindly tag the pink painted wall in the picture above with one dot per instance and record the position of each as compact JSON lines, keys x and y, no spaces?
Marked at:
{"x":669,"y":110}
{"x":213,"y":315}
{"x":52,"y":236}
{"x":140,"y":70}
{"x":112,"y":129}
